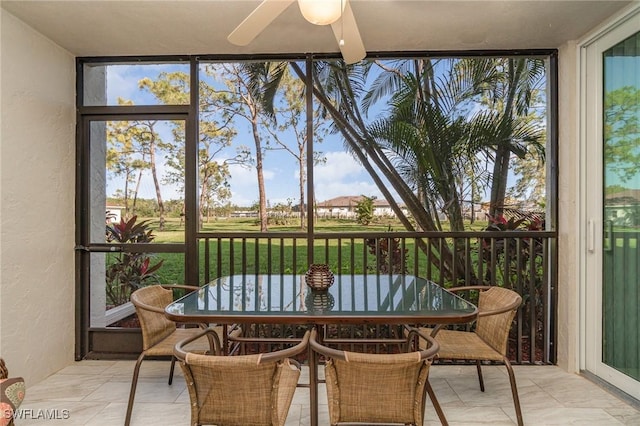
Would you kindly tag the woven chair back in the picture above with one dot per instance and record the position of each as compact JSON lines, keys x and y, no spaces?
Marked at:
{"x":383,"y":388}
{"x":239,"y":390}
{"x":494,"y":329}
{"x":155,"y":325}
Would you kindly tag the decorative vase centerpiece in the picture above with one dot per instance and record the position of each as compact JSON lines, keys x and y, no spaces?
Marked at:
{"x":319,"y":277}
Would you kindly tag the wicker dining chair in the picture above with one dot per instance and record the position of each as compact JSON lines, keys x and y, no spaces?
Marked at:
{"x":12,"y":392}
{"x":239,"y":390}
{"x":497,"y":306}
{"x":378,"y":388}
{"x":160,"y":334}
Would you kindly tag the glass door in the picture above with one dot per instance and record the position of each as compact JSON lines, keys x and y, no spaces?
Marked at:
{"x":613,"y":282}
{"x":132,"y":220}
{"x":621,"y":200}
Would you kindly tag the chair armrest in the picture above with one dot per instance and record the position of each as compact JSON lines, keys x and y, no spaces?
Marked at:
{"x":412,"y":332}
{"x":150,"y":308}
{"x":502,"y":310}
{"x":324,"y":350}
{"x":469,"y":287}
{"x":181,"y":354}
{"x":180,"y":286}
{"x":433,"y":346}
{"x":288,"y":352}
{"x":140,"y":304}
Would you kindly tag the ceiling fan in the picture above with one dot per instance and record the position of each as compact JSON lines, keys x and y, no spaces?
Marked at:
{"x":337,"y":13}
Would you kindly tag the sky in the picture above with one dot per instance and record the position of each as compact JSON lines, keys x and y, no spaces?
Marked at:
{"x":622,"y":71}
{"x":340,"y":175}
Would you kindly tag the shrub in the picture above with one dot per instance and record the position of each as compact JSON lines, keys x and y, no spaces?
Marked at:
{"x":130,"y":270}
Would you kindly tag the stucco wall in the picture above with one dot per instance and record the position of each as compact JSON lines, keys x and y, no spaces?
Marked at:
{"x":568,"y":232}
{"x":37,"y":162}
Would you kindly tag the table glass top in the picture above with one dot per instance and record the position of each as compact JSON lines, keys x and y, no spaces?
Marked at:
{"x":349,"y":296}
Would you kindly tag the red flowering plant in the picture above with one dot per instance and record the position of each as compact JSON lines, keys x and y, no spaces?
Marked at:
{"x":128,"y":271}
{"x":500,"y":223}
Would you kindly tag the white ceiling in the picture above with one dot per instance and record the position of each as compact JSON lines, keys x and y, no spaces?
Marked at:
{"x":114,"y":28}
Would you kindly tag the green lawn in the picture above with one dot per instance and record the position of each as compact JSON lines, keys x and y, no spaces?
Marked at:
{"x":174,"y":229}
{"x":271,"y":255}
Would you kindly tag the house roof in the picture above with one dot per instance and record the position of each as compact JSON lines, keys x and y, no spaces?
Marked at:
{"x":343,"y":201}
{"x":628,"y":196}
{"x":351,"y":201}
{"x":122,"y":28}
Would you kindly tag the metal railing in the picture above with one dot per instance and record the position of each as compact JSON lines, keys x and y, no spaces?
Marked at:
{"x":520,"y":260}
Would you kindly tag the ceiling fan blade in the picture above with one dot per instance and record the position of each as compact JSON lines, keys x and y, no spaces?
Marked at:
{"x":346,"y":29}
{"x":257,"y":21}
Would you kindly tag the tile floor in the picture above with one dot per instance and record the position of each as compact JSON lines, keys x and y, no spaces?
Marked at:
{"x":95,"y":393}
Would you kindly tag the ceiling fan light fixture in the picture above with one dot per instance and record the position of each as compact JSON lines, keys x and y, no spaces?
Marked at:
{"x":321,"y":12}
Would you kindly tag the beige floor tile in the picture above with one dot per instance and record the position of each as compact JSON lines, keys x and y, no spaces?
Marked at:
{"x":625,"y":415}
{"x":95,"y":393}
{"x":575,"y":391}
{"x":569,"y":416}
{"x":111,"y":391}
{"x":476,"y":415}
{"x":470,"y":371}
{"x":323,"y":416}
{"x":183,"y":398}
{"x":65,"y":413}
{"x":293,"y":418}
{"x":535,"y":397}
{"x":88,"y":367}
{"x":65,"y":387}
{"x":301,"y":397}
{"x":539,"y":372}
{"x":497,"y":390}
{"x":444,"y":393}
{"x":112,"y":414}
{"x":157,"y":414}
{"x":157,"y":391}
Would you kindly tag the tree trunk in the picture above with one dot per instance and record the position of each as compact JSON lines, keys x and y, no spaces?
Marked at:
{"x":301,"y":183}
{"x":499,"y":180}
{"x":201,"y":204}
{"x":503,"y":149}
{"x":135,"y":194}
{"x":259,"y":170}
{"x":360,"y":145}
{"x":156,"y":182}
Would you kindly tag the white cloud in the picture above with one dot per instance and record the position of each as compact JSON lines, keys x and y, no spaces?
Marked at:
{"x":242,"y":176}
{"x":242,"y":200}
{"x":122,"y":80}
{"x":342,"y":175}
{"x":339,"y":165}
{"x":120,"y":83}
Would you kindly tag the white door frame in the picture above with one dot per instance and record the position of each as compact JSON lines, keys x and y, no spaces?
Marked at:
{"x":590,"y":141}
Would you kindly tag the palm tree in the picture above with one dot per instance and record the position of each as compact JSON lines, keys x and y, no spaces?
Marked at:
{"x":436,"y":133}
{"x":519,"y":81}
{"x":340,"y":88}
{"x":434,"y":130}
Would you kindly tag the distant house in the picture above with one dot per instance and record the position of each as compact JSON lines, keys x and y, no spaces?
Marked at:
{"x":623,"y":208}
{"x":244,"y":213}
{"x":113,"y":214}
{"x":344,"y":207}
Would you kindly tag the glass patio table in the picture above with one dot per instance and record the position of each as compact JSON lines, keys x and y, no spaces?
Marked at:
{"x":352,"y":299}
